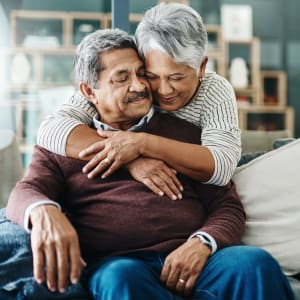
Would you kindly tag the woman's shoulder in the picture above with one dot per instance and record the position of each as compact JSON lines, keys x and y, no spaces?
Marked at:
{"x":216,"y":87}
{"x":214,"y":80}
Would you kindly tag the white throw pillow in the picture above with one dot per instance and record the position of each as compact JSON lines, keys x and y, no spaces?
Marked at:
{"x":269,"y":187}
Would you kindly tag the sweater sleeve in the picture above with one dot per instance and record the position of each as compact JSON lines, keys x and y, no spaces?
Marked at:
{"x":226,"y":216}
{"x":221,"y":133}
{"x":43,"y":181}
{"x":55,"y":129}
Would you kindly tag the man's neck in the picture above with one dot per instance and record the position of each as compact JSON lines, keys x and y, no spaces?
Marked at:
{"x":128,"y":125}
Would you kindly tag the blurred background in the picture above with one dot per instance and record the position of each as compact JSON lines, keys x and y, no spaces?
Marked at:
{"x":257,"y":40}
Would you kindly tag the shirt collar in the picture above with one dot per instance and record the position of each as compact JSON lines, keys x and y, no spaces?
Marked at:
{"x":144,"y":120}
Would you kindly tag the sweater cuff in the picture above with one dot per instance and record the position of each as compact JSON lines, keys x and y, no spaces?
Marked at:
{"x":28,"y":210}
{"x":207,"y":237}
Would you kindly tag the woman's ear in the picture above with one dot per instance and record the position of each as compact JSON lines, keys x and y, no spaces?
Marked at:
{"x":203,"y":67}
{"x":88,"y":92}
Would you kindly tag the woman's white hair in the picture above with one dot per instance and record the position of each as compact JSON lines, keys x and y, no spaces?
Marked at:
{"x":176,"y":29}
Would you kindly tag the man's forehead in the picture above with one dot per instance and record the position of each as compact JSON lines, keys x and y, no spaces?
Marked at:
{"x":121,"y":60}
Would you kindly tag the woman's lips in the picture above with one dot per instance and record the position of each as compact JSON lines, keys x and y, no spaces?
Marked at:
{"x":166,"y":100}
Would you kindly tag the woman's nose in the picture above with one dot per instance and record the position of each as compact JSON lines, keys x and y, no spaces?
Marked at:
{"x":164,"y":87}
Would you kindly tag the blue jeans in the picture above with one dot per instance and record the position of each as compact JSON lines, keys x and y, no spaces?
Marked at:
{"x":239,"y":272}
{"x":16,"y":268}
{"x":233,"y":273}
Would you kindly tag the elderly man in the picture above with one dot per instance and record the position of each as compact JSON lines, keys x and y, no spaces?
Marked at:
{"x":132,"y":243}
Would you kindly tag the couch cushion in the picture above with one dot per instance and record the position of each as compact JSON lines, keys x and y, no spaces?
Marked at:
{"x":269,"y":189}
{"x":261,"y":140}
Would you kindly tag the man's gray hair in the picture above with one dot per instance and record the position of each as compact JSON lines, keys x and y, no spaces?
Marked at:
{"x":176,"y":29}
{"x":87,"y":63}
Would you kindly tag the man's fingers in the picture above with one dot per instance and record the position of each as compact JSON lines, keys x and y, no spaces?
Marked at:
{"x":38,"y":265}
{"x":63,"y":269}
{"x":189,"y":285}
{"x":51,"y":267}
{"x":76,"y":263}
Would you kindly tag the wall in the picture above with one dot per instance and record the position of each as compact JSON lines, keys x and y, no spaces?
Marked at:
{"x":276,"y":23}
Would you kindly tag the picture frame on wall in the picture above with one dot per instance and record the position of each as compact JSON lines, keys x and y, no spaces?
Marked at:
{"x":237,"y":22}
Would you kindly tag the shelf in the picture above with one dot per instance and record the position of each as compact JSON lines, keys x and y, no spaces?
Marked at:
{"x":244,"y":78}
{"x":267,"y":118}
{"x":53,"y":29}
{"x":215,"y":51}
{"x":273,"y":91}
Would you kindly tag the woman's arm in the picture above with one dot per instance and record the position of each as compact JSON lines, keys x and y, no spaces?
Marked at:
{"x":121,"y":147}
{"x":220,"y":129}
{"x":67,"y":131}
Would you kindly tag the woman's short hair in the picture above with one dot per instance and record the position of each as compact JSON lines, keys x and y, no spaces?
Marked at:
{"x":87,"y":64}
{"x":176,"y":29}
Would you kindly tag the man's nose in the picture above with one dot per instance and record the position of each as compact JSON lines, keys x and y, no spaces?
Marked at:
{"x":137,"y":84}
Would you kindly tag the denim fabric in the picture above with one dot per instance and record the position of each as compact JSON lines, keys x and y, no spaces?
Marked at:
{"x":235,"y":273}
{"x":16,"y":272}
{"x":15,"y":254}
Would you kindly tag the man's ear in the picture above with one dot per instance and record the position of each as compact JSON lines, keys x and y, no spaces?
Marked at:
{"x":87,"y":92}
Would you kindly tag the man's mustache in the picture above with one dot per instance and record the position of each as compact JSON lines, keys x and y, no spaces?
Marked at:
{"x":135,"y":96}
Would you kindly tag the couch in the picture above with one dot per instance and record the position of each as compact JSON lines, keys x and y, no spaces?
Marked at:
{"x":9,"y":156}
{"x":257,"y":167}
{"x":267,"y":182}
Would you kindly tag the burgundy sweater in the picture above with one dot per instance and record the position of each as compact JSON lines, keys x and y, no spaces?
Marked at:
{"x":120,"y":215}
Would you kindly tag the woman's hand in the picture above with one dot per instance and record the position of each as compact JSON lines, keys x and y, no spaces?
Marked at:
{"x":118,"y":148}
{"x":157,"y":176}
{"x":183,"y":266}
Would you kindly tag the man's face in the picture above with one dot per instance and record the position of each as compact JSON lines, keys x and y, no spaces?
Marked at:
{"x":124,"y":95}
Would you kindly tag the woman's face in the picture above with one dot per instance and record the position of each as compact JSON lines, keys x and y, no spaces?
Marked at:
{"x":173,"y":85}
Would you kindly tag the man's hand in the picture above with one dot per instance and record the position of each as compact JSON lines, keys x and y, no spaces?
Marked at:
{"x":157,"y":176}
{"x":119,"y":148}
{"x":183,"y":266}
{"x":55,"y":248}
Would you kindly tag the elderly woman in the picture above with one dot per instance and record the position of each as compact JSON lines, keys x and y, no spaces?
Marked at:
{"x":172,"y":40}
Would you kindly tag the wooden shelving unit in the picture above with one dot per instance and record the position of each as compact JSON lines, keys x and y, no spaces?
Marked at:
{"x":267,"y":118}
{"x":47,"y":39}
{"x":251,"y":93}
{"x":216,"y":49}
{"x":273,"y":88}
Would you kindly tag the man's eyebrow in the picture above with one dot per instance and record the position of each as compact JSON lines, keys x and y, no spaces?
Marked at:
{"x":121,"y":72}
